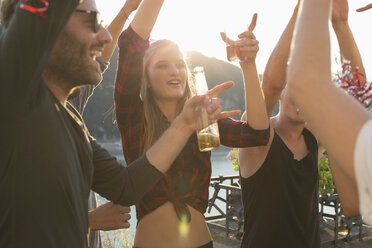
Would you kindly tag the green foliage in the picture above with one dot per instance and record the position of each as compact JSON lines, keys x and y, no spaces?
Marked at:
{"x":326,"y":185}
{"x":233,"y":156}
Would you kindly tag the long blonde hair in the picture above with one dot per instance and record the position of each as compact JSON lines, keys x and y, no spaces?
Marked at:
{"x":155,"y":121}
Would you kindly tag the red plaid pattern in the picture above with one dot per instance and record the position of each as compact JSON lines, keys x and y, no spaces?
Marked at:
{"x":187,"y":181}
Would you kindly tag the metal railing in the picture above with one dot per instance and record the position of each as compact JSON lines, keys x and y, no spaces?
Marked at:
{"x":233,"y":212}
{"x":227,"y":192}
{"x":337,"y":221}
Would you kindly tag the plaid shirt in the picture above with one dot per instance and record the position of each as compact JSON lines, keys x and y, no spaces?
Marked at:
{"x":187,"y":181}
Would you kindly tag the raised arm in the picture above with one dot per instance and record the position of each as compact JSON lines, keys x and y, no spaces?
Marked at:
{"x":142,"y":23}
{"x":254,"y":131}
{"x":116,"y":26}
{"x":255,"y":114}
{"x":346,"y":187}
{"x":334,"y":117}
{"x":146,"y":16}
{"x":274,"y":77}
{"x":254,"y":101}
{"x":348,"y":47}
{"x":133,"y":43}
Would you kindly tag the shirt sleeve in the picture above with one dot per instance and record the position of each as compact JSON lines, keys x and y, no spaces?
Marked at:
{"x":129,"y":76}
{"x":235,"y":133}
{"x":119,"y":184}
{"x":26,"y":45}
{"x":363,"y":170}
{"x":128,"y":105}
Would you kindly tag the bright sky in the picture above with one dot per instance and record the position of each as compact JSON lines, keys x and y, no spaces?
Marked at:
{"x":196,"y":24}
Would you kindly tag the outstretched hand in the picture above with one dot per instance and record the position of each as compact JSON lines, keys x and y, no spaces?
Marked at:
{"x":367,"y":7}
{"x":193,"y":108}
{"x":340,"y":11}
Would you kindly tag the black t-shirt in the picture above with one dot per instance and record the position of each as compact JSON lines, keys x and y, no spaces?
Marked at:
{"x":48,"y":160}
{"x":281,"y":199}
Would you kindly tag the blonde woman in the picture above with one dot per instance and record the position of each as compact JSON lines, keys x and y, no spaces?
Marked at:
{"x":151,"y":89}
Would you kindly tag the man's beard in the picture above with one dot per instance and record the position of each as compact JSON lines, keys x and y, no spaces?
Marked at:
{"x":70,"y":63}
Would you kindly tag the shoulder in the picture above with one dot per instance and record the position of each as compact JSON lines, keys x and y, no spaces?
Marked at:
{"x":130,"y":37}
{"x":309,"y":135}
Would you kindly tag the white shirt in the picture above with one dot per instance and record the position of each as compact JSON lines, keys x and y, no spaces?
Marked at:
{"x":363,"y":170}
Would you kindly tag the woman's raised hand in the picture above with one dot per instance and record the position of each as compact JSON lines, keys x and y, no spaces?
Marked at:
{"x":248,"y":45}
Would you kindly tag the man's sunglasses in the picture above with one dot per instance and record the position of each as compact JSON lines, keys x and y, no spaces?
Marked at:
{"x":96,"y":17}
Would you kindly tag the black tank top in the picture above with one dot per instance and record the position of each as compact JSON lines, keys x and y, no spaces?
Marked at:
{"x":281,"y":199}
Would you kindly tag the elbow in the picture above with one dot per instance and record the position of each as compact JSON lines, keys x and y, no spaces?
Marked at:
{"x":266,"y":137}
{"x":126,"y":196}
{"x":131,"y":198}
{"x":272,"y":84}
{"x":266,"y":141}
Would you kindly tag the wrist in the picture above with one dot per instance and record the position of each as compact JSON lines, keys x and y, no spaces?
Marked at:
{"x":125,"y":12}
{"x":181,"y":126}
{"x":340,"y":24}
{"x":92,"y":223}
{"x":248,"y":62}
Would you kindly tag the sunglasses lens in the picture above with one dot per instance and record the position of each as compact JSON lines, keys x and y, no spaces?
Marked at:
{"x":96,"y":24}
{"x":99,"y":22}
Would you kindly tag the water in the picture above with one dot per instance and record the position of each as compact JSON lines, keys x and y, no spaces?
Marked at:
{"x":220,"y":166}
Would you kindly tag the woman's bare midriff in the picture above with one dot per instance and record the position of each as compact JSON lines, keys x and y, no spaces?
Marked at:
{"x":162,"y":228}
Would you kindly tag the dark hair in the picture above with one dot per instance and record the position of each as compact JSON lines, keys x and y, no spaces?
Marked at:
{"x":7,"y":9}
